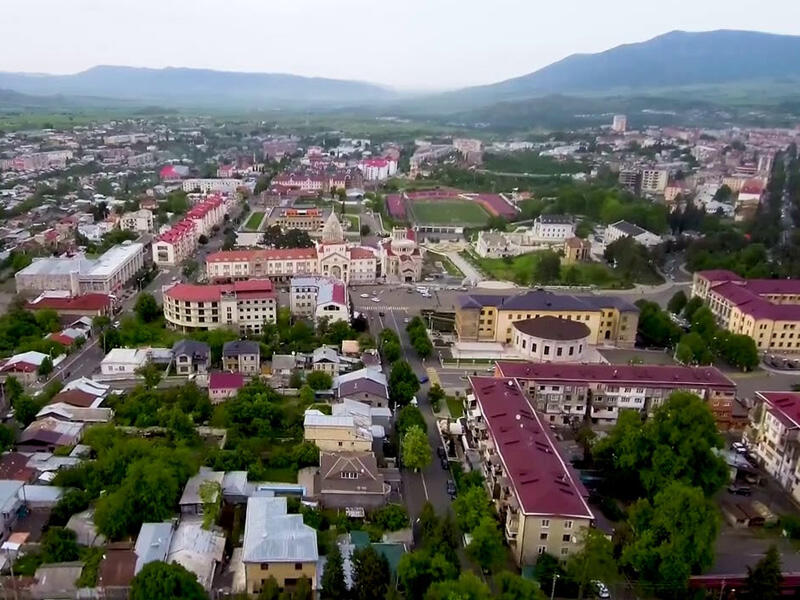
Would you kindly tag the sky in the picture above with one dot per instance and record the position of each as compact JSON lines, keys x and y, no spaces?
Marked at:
{"x":407,"y":44}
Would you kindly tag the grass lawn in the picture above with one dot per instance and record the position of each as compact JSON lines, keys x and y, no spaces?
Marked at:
{"x":283,"y":475}
{"x":455,"y":406}
{"x":449,"y":212}
{"x":254,"y":220}
{"x":520,"y":270}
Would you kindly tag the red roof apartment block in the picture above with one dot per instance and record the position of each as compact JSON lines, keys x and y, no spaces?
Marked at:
{"x":544,"y":483}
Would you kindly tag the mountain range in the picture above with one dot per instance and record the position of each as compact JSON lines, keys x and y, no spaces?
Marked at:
{"x":670,"y":62}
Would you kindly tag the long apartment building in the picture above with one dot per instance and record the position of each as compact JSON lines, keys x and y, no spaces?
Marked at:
{"x":319,"y":298}
{"x":568,"y":393}
{"x":212,"y":186}
{"x":246,"y":305}
{"x":541,"y":502}
{"x":78,"y":275}
{"x":279,"y":264}
{"x":777,"y":437}
{"x":489,"y":318}
{"x":767,"y":310}
{"x":180,"y":241}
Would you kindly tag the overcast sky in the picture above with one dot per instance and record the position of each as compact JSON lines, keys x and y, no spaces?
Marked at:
{"x":412,"y":44}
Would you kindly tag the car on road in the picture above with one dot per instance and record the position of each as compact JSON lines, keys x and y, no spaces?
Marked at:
{"x":441,"y":452}
{"x":423,"y":379}
{"x":381,"y":313}
{"x":600,"y":589}
{"x":406,"y":320}
{"x":739,"y":447}
{"x":375,"y":299}
{"x":365,"y":295}
{"x":739,"y":490}
{"x":445,"y":464}
{"x":451,"y":488}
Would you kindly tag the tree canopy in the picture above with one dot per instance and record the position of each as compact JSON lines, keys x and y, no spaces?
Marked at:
{"x":764,"y":579}
{"x":161,"y":581}
{"x":415,"y":448}
{"x":403,"y":383}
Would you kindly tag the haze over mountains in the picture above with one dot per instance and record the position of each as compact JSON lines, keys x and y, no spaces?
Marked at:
{"x":673,"y":60}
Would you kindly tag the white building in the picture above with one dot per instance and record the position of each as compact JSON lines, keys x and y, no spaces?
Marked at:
{"x":619,"y":124}
{"x":622,"y":229}
{"x":777,"y":438}
{"x":553,"y":228}
{"x":140,"y":221}
{"x":122,"y":362}
{"x":209,"y":186}
{"x":654,"y":181}
{"x":378,"y":169}
{"x":80,"y":275}
{"x":319,"y":297}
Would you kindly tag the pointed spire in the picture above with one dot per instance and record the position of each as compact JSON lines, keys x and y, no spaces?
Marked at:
{"x":332,"y":232}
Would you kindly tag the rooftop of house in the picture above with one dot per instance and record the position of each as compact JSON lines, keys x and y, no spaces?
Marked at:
{"x":191,"y":491}
{"x":225,"y":381}
{"x":545,"y":301}
{"x":633,"y":375}
{"x":273,"y":535}
{"x":784,"y":406}
{"x":189,"y":292}
{"x":239,"y":347}
{"x":543,"y":481}
{"x":191,"y":348}
{"x":153,"y":543}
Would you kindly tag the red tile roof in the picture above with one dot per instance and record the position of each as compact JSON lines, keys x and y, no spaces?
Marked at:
{"x":544,"y":483}
{"x":84,"y":302}
{"x":785,"y":406}
{"x":719,"y":275}
{"x":361,"y":253}
{"x":64,"y":340}
{"x":253,"y":288}
{"x":13,"y":465}
{"x":225,"y":381}
{"x":635,"y":375}
{"x":272,"y":254}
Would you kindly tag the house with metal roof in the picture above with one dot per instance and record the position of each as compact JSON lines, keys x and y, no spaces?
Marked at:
{"x":191,"y":357}
{"x":191,"y":501}
{"x":198,"y":550}
{"x":153,"y":543}
{"x":242,"y":356}
{"x":277,"y":544}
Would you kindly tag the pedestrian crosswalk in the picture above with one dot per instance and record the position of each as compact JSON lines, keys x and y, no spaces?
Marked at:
{"x":379,"y":307}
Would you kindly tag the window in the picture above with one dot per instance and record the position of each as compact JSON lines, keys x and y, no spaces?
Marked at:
{"x":546,"y":350}
{"x":545,"y":522}
{"x":298,"y":566}
{"x":264,"y":566}
{"x":566,"y":538}
{"x":541,"y":549}
{"x":349,"y":475}
{"x":564,"y":551}
{"x":543,"y":536}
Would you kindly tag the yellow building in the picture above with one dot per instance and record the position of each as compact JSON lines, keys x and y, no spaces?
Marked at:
{"x":767,"y":310}
{"x":336,"y":433}
{"x":542,"y":507}
{"x":488,"y":318}
{"x":277,"y":544}
{"x":576,"y":250}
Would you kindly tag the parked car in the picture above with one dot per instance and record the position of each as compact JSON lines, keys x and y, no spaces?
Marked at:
{"x":600,"y":589}
{"x":451,"y":488}
{"x":740,"y":490}
{"x":381,"y":313}
{"x":423,"y":379}
{"x":445,"y":464}
{"x":739,"y":447}
{"x":441,"y":452}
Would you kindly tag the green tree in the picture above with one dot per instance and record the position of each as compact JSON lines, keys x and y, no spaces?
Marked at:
{"x":436,"y":395}
{"x":678,"y":302}
{"x":333,"y":584}
{"x":693,"y":350}
{"x":691,"y":306}
{"x":146,"y":307}
{"x":486,"y":547}
{"x":211,"y":494}
{"x":704,"y":324}
{"x":595,"y":560}
{"x":25,"y":409}
{"x":739,"y":351}
{"x":13,"y":389}
{"x":307,"y":395}
{"x":45,"y":367}
{"x":371,"y":574}
{"x":319,"y":380}
{"x":303,"y":590}
{"x":466,"y":587}
{"x":417,"y":570}
{"x":270,"y":590}
{"x":296,"y":380}
{"x":409,"y":416}
{"x":151,"y":375}
{"x":161,"y":581}
{"x":511,"y":586}
{"x":416,"y":449}
{"x":655,"y":326}
{"x":59,"y":545}
{"x":391,"y":351}
{"x":677,"y":444}
{"x":764,"y":580}
{"x":471,"y":507}
{"x":672,"y":537}
{"x":391,"y":517}
{"x":403,"y":383}
{"x":548,"y":267}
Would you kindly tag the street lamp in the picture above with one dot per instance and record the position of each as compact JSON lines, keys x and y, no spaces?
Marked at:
{"x":553,"y":588}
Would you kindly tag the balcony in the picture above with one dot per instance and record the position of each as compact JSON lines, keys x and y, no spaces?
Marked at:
{"x":512,"y":526}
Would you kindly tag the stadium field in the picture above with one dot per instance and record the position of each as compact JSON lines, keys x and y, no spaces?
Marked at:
{"x":449,"y":212}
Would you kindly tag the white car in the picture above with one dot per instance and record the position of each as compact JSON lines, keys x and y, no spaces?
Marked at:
{"x":739,"y":447}
{"x":406,"y":320}
{"x":365,"y":295}
{"x":600,"y":589}
{"x":375,"y":299}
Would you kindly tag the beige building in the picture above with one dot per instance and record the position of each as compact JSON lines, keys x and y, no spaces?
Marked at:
{"x":243,"y":305}
{"x":576,"y":250}
{"x":767,"y":310}
{"x":542,"y":508}
{"x":140,"y":221}
{"x":277,"y":544}
{"x":777,"y":437}
{"x":336,"y":434}
{"x":309,"y":219}
{"x":489,"y":318}
{"x":401,"y":257}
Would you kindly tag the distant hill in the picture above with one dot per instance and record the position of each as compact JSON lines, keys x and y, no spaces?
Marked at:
{"x":675,"y":59}
{"x":197,"y":87}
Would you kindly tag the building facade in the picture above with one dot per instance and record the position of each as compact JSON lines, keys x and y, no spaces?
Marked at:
{"x":401,"y":257}
{"x":140,"y":221}
{"x":489,"y":318}
{"x":553,"y":228}
{"x":777,"y":437}
{"x":569,"y":393}
{"x":767,"y":310}
{"x":541,"y":505}
{"x":242,"y":305}
{"x":319,"y":297}
{"x":211,"y":186}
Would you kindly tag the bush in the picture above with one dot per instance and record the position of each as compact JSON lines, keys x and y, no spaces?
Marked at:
{"x":790,"y":524}
{"x":391,"y":517}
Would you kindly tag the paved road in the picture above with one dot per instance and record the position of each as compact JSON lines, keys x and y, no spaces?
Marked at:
{"x":431,"y":483}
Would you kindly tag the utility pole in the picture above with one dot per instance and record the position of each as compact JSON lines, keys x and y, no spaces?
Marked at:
{"x":553,"y":588}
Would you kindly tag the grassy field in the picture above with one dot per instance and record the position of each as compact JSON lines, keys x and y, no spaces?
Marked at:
{"x":456,"y":407}
{"x":449,"y":212}
{"x":254,"y":221}
{"x":520,"y":270}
